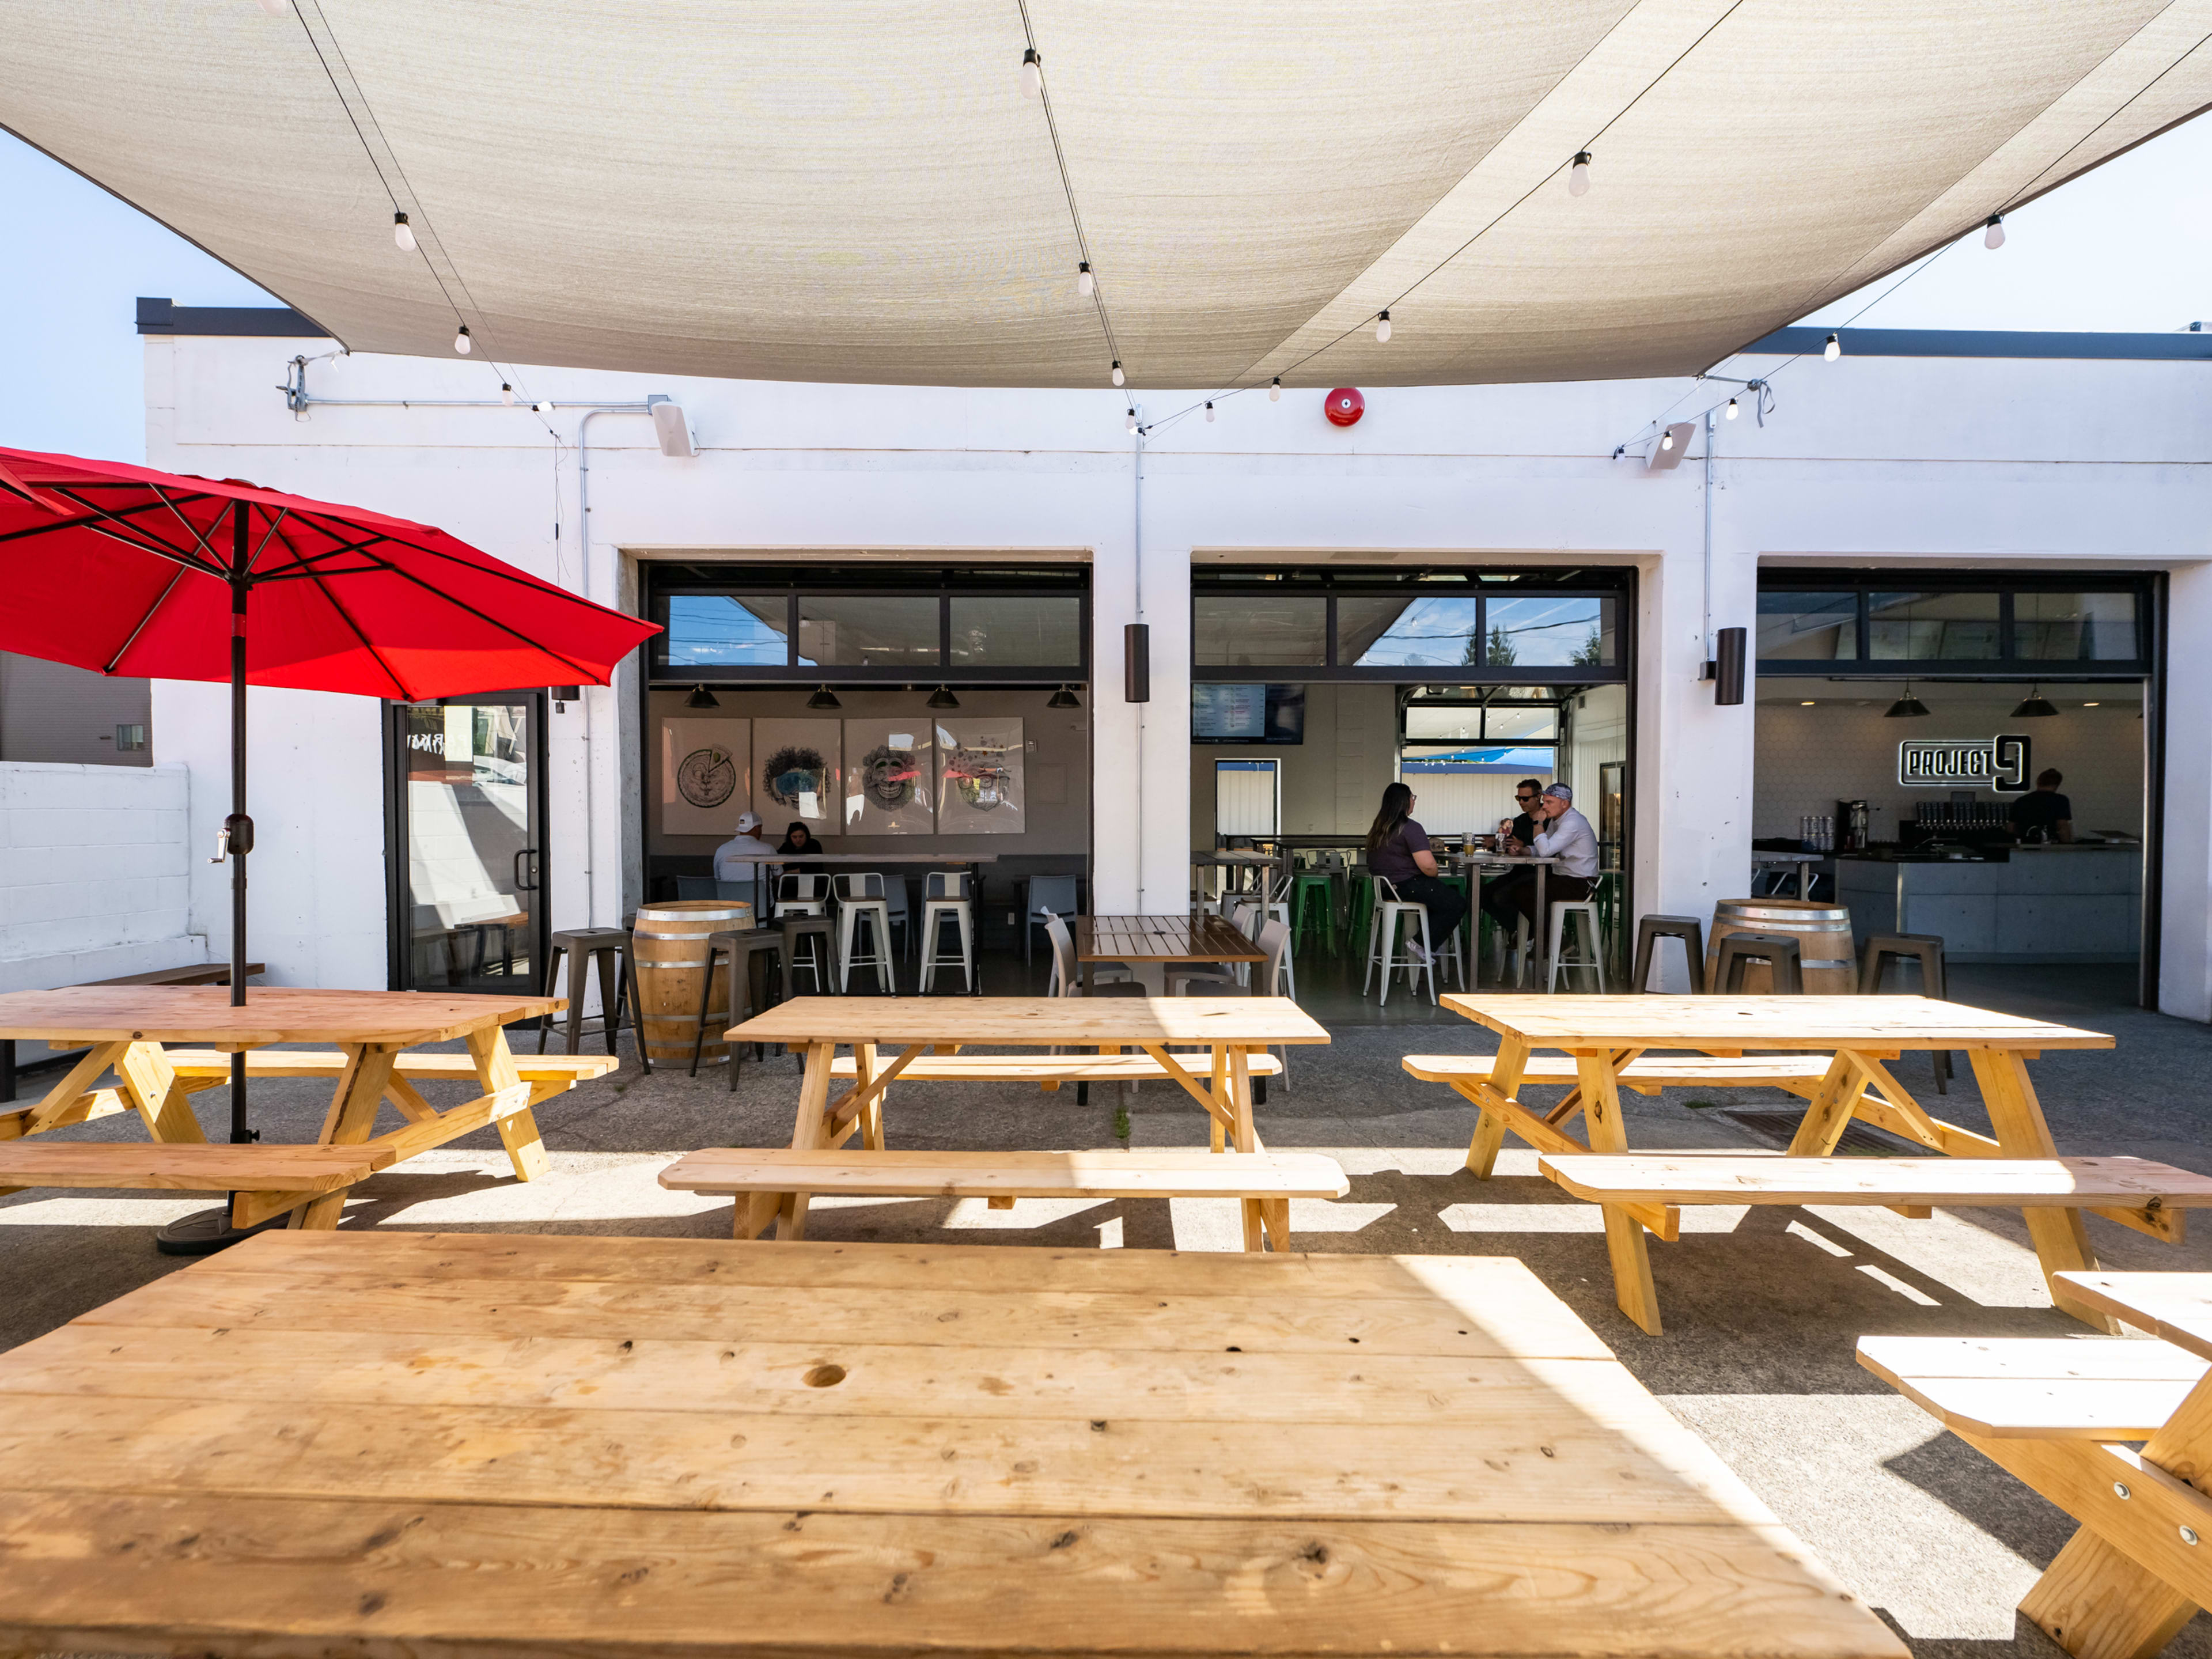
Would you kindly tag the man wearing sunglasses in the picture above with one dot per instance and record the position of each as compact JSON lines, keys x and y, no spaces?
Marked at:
{"x":1503,"y":899}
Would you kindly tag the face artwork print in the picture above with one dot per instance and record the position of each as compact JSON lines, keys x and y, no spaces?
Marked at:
{"x":889,"y":777}
{"x":795,"y":771}
{"x":705,"y":774}
{"x":982,"y":764}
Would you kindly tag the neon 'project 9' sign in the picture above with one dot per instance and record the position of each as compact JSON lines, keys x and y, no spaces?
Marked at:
{"x":2000,"y":763}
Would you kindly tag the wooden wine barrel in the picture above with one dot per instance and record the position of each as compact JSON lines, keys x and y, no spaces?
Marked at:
{"x":1827,"y":954}
{"x":668,"y":951}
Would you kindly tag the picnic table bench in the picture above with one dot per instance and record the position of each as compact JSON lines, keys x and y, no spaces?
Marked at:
{"x":2055,"y":1413}
{"x":1607,"y":1039}
{"x":128,"y":1027}
{"x":1230,"y":1031}
{"x":506,"y":1445}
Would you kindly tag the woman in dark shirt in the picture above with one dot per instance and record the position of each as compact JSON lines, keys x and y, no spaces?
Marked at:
{"x":1398,"y":850}
{"x":799,"y":839}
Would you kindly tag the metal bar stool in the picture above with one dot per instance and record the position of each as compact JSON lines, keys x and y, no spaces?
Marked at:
{"x":1778,"y":951}
{"x":610,"y":949}
{"x":741,"y":946}
{"x":795,"y":927}
{"x":1649,"y":930}
{"x":1927,"y":950}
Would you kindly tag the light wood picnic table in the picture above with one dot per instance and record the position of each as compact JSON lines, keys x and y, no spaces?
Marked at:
{"x":1160,"y":939}
{"x":125,"y":1028}
{"x":1606,"y":1033}
{"x":1231,"y":1029}
{"x":510,"y":1445}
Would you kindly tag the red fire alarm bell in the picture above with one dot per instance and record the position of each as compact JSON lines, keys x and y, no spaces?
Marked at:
{"x":1345,"y":406}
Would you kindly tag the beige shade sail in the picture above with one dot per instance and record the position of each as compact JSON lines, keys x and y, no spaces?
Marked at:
{"x":849,"y":192}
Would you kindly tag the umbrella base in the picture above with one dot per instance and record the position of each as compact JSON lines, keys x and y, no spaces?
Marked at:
{"x":206,"y":1232}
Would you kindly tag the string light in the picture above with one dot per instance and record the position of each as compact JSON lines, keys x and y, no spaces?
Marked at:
{"x":1383,"y":327}
{"x":506,"y":394}
{"x":1209,"y":409}
{"x":461,"y":340}
{"x":1032,"y":73}
{"x":1833,"y":350}
{"x":1117,"y":376}
{"x":1732,"y":410}
{"x":1578,"y":175}
{"x":1133,"y":420}
{"x":1994,"y":236}
{"x":1275,"y":390}
{"x":1086,"y":283}
{"x":1667,"y":439}
{"x":403,"y":234}
{"x":544,"y":408}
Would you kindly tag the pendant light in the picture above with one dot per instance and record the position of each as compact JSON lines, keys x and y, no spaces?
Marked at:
{"x":1086,"y":283}
{"x":700,"y":697}
{"x":2034,"y":707}
{"x":1032,"y":73}
{"x":1116,"y":376}
{"x":461,"y":340}
{"x":1993,"y":236}
{"x":1731,"y":408}
{"x":506,"y":394}
{"x":1209,"y":409}
{"x":403,"y":233}
{"x":1578,"y":175}
{"x":1833,"y":349}
{"x":1132,"y":422}
{"x":1275,"y":390}
{"x":1063,"y":698}
{"x":824,"y":697}
{"x":1383,"y":329}
{"x":942,"y":698}
{"x":1906,"y":707}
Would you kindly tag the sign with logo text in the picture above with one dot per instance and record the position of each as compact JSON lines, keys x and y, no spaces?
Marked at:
{"x":2000,"y":763}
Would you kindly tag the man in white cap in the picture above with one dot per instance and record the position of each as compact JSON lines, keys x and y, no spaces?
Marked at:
{"x":1566,"y":834}
{"x":733,"y":858}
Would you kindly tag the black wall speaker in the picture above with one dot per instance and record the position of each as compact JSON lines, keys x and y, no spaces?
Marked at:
{"x":1137,"y":662}
{"x":1729,"y":665}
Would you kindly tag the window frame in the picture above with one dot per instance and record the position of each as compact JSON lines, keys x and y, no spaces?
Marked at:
{"x":1865,"y":584}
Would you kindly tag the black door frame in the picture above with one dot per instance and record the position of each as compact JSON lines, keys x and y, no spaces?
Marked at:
{"x":397,"y":905}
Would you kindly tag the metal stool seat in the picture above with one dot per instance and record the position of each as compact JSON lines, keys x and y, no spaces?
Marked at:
{"x":1649,"y":930}
{"x":1926,"y":949}
{"x":795,"y":928}
{"x":1591,"y":934}
{"x":1778,"y":951}
{"x":610,"y":949}
{"x":741,"y":946}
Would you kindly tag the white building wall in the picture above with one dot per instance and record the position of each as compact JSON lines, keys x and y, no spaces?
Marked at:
{"x":1894,"y":462}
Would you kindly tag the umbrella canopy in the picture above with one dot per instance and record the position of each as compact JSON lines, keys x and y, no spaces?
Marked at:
{"x":124,"y":570}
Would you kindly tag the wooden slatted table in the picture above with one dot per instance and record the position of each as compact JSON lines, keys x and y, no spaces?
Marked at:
{"x":1232,"y":1030}
{"x":2055,"y":1414}
{"x":125,"y":1028}
{"x":1604,"y":1033}
{"x":1160,"y":939}
{"x":615,"y":1448}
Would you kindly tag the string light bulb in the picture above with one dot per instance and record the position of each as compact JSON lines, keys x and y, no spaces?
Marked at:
{"x":1382,"y":328}
{"x":461,"y":340}
{"x":1275,"y":390}
{"x":403,"y":233}
{"x":506,"y":394}
{"x":1032,"y":73}
{"x":1993,"y":237}
{"x":1833,"y":350}
{"x":1209,"y":409}
{"x":1132,"y":421}
{"x":1578,"y":175}
{"x":1117,"y":376}
{"x":1086,"y":283}
{"x":1667,"y":439}
{"x":1731,"y":408}
{"x":543,"y":407}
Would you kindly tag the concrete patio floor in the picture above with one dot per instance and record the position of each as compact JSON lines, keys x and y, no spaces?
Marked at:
{"x":1763,"y":1306}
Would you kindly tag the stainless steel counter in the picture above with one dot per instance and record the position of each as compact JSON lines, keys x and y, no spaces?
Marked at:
{"x":2061,"y":903}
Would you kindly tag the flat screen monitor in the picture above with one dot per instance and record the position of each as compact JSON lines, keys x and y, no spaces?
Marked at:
{"x":1225,"y":713}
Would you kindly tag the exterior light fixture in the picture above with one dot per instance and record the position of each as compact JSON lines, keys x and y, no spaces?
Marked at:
{"x":1732,"y":410}
{"x":1275,"y":390}
{"x":941,"y":698}
{"x":2034,"y":707}
{"x":1578,"y":175}
{"x":1086,"y":283}
{"x":1063,"y":698}
{"x":461,"y":340}
{"x":1807,"y":703}
{"x":1117,"y":377}
{"x":1993,"y":237}
{"x":544,"y":406}
{"x":2093,"y":705}
{"x":1132,"y":422}
{"x":403,"y":233}
{"x":824,"y":697}
{"x":506,"y":394}
{"x":1833,"y":349}
{"x":1209,"y":409}
{"x":1032,"y":73}
{"x":700,"y":697}
{"x":670,"y":428}
{"x":1906,"y":707}
{"x":1382,"y":328}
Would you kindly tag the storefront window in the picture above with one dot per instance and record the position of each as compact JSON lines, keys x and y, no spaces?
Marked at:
{"x":1542,"y":633}
{"x":1522,"y":723}
{"x":709,"y":630}
{"x":1932,"y":627}
{"x":1390,"y":632}
{"x":1017,"y":632}
{"x":1243,"y":631}
{"x":1812,"y":627}
{"x":885,"y":631}
{"x":2075,"y":627}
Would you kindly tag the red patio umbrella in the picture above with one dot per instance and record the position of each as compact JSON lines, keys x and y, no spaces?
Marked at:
{"x":124,"y":570}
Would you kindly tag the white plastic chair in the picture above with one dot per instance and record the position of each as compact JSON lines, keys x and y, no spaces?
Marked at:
{"x":861,"y":897}
{"x":945,"y":897}
{"x":1066,"y":978}
{"x":1048,"y":897}
{"x":1271,"y":980}
{"x":1395,"y":917}
{"x":1591,"y":934}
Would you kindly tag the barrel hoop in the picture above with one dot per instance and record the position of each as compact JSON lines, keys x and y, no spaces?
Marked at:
{"x":730,"y":914}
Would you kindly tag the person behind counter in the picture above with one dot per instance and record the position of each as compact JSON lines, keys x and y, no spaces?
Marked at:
{"x":734,"y":858}
{"x":1398,"y":850}
{"x":2043,"y":814}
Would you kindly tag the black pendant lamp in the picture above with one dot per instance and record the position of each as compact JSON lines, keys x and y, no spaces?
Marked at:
{"x":1906,"y":707}
{"x":824,"y":697}
{"x":700,"y":697}
{"x":2034,"y":707}
{"x":942,"y":698}
{"x":1063,"y":698}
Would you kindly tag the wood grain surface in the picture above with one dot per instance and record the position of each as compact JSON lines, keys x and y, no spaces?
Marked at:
{"x":191,"y":1014}
{"x":1162,"y":939}
{"x":1600,"y":1023}
{"x":1034,"y":1022}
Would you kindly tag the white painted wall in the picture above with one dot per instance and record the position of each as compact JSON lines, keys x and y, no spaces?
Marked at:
{"x":93,"y":882}
{"x":1867,"y":461}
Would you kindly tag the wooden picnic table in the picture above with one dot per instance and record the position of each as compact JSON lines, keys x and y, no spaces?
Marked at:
{"x":1159,"y":939}
{"x":511,"y":1445}
{"x":1605,"y":1034}
{"x":1231,"y":1029}
{"x":125,"y":1028}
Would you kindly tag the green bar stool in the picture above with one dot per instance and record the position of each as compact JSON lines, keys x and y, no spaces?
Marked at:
{"x":1313,"y":907}
{"x":1361,"y":911}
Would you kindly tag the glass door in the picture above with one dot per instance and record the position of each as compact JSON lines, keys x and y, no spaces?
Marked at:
{"x":466,"y":814}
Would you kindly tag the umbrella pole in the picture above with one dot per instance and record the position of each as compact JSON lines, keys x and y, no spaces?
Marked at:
{"x":240,"y":839}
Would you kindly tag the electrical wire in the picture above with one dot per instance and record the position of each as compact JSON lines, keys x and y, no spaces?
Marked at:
{"x":1067,"y":189}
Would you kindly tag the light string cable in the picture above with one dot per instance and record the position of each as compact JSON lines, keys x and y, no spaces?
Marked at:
{"x":1580,"y":153}
{"x":1067,"y":189}
{"x":1764,"y":406}
{"x":387,"y":168}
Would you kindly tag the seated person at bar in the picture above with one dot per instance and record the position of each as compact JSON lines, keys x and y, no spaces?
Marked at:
{"x":733,"y":858}
{"x":1566,"y":834}
{"x":1504,"y":898}
{"x":1398,"y":850}
{"x":2044,"y":814}
{"x":1526,"y":793}
{"x":799,"y":839}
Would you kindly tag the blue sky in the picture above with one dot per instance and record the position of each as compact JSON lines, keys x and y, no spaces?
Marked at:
{"x":2128,"y":247}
